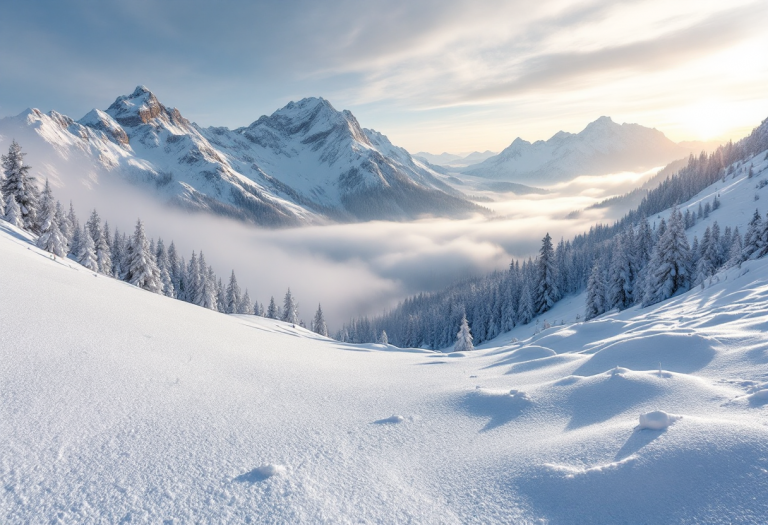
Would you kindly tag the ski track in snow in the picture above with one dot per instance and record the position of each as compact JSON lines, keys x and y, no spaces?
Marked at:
{"x":121,"y":406}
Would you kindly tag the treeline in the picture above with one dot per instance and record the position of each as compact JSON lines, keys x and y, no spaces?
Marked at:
{"x":133,"y":258}
{"x":623,"y":264}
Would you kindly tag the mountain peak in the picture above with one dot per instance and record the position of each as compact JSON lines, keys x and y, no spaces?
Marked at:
{"x":141,"y":107}
{"x":601,"y":123}
{"x":137,"y":108}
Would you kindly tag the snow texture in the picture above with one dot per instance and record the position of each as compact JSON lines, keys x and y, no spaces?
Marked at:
{"x":118,"y":405}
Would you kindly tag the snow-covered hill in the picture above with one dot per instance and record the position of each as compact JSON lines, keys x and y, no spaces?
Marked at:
{"x":306,"y":163}
{"x":119,"y":405}
{"x":602,"y":147}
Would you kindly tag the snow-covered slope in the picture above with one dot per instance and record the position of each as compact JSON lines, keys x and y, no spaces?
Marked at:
{"x":602,"y":147}
{"x":118,"y":405}
{"x":306,"y":163}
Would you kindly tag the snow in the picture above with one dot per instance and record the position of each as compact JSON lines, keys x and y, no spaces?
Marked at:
{"x":600,"y":148}
{"x":121,"y":405}
{"x":656,"y":420}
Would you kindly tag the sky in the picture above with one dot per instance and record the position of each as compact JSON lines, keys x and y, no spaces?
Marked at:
{"x":449,"y":75}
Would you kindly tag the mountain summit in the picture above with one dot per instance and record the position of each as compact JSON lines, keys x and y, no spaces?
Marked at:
{"x":602,"y":147}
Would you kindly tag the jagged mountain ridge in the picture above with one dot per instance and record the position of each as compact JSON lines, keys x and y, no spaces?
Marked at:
{"x":305,"y":163}
{"x":602,"y":147}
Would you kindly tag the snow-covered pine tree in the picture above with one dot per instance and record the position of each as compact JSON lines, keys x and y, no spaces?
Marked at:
{"x":272,"y":309}
{"x":142,"y":270}
{"x":463,"y":337}
{"x":752,"y":236}
{"x":290,"y":309}
{"x":595,"y":293}
{"x":209,"y":292}
{"x":51,"y":239}
{"x":103,"y":251}
{"x":318,"y":323}
{"x":73,"y":227}
{"x":669,"y":266}
{"x":245,"y":306}
{"x":735,"y":253}
{"x":547,"y":293}
{"x":94,"y":226}
{"x":174,"y":267}
{"x":20,"y":185}
{"x":525,"y":309}
{"x":13,"y":212}
{"x":87,"y":255}
{"x":258,"y":309}
{"x":383,"y":339}
{"x":166,"y":285}
{"x":118,"y":252}
{"x":705,"y":266}
{"x":233,"y":295}
{"x":221,"y":296}
{"x":622,"y":274}
{"x":195,"y":280}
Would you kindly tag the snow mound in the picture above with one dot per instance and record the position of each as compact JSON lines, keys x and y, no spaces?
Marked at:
{"x":760,"y":395}
{"x":262,"y":473}
{"x":656,"y":420}
{"x":684,"y":353}
{"x":394,"y":419}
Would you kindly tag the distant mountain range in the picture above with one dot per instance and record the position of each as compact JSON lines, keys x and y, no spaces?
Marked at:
{"x":305,"y":163}
{"x":456,"y":161}
{"x":603,"y":147}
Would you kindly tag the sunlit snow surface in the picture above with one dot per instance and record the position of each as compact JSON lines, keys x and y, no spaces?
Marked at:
{"x":118,"y":405}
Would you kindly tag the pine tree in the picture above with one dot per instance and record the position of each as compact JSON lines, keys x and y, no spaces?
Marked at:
{"x":51,"y":238}
{"x":669,"y":266}
{"x":73,"y":226}
{"x":245,"y":306}
{"x":142,"y":270}
{"x":175,"y":268}
{"x":623,"y":274}
{"x":87,"y":255}
{"x":705,"y":266}
{"x":383,"y":339}
{"x":20,"y":185}
{"x":103,"y":252}
{"x":2,"y":203}
{"x":318,"y":324}
{"x":463,"y":337}
{"x":595,"y":293}
{"x":233,"y":295}
{"x":290,"y":309}
{"x":752,"y":236}
{"x":209,"y":289}
{"x":166,"y":284}
{"x":525,"y":309}
{"x":546,"y":290}
{"x":735,"y":253}
{"x":272,"y":309}
{"x":13,"y":212}
{"x":194,"y":281}
{"x":119,"y":252}
{"x":94,"y":226}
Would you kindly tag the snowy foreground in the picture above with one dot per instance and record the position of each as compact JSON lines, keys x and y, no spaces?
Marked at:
{"x":122,"y":406}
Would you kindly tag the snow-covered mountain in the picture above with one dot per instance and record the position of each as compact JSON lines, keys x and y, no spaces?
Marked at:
{"x":602,"y":147}
{"x":456,"y":161}
{"x":305,"y":163}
